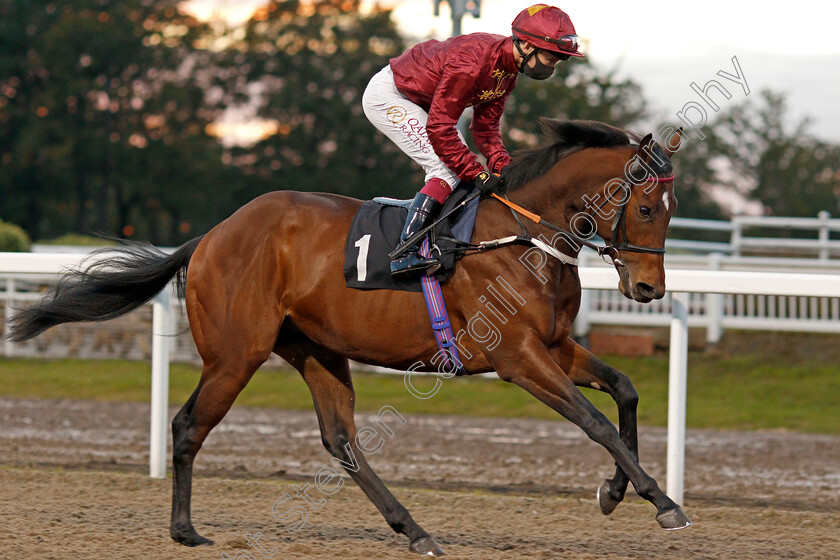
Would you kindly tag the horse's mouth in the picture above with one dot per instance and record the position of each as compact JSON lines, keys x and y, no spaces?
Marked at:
{"x":624,"y":286}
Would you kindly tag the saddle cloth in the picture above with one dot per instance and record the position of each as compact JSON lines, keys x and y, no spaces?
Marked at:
{"x":375,"y":232}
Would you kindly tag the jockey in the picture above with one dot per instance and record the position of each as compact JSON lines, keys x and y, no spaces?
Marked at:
{"x":417,"y":99}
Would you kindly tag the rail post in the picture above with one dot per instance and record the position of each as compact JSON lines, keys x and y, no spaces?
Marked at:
{"x":677,"y":381}
{"x":9,"y":346}
{"x":161,"y":327}
{"x":714,"y":306}
{"x":824,"y":217}
{"x":581,"y":325}
{"x":735,"y":239}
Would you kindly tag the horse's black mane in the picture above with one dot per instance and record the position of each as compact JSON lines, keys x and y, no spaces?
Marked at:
{"x":569,"y":136}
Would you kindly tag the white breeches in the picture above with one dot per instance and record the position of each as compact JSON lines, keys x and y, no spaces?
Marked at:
{"x":404,"y":123}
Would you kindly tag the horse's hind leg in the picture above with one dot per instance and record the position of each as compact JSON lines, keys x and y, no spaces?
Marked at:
{"x":328,"y":377}
{"x":183,"y":454}
{"x":234,"y":319}
{"x":586,"y":370}
{"x":219,"y":386}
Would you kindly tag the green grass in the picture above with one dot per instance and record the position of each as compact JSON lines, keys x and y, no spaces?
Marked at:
{"x":743,"y":392}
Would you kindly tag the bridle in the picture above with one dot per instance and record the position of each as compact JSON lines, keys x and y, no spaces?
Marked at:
{"x":614,"y":248}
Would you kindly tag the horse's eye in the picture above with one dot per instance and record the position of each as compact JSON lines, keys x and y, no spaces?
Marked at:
{"x":644,"y":211}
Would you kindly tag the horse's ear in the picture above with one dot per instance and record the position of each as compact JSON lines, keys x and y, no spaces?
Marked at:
{"x":672,"y":145}
{"x":646,"y":148}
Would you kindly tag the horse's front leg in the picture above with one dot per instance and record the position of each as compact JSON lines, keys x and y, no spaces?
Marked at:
{"x":586,"y":370}
{"x":532,"y":367}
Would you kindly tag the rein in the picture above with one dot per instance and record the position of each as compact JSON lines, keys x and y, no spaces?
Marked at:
{"x":613,"y":250}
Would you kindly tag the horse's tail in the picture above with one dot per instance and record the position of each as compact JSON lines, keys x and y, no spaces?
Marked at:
{"x":118,"y":281}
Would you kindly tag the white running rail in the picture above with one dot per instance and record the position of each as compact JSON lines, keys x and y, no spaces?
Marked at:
{"x":715,"y":311}
{"x":818,"y":244}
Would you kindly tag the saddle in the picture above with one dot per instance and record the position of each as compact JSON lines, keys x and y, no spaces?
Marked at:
{"x":375,"y":232}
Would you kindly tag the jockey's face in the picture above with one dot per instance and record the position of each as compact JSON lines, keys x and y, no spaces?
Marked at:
{"x":548,"y":58}
{"x":540,"y":65}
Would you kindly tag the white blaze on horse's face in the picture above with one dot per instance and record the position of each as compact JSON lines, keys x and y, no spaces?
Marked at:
{"x":666,"y":200}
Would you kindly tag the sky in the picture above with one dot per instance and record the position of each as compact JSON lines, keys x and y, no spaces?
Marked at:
{"x":666,"y":46}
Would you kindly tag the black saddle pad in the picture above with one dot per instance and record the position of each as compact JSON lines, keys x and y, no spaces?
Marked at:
{"x":375,"y":232}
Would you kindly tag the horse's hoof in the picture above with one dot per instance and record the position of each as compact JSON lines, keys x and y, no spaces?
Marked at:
{"x":673,"y":519}
{"x":426,"y":546}
{"x":190,"y":538}
{"x":605,"y":499}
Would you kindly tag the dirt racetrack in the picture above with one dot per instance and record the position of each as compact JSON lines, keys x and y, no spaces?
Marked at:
{"x":73,"y":485}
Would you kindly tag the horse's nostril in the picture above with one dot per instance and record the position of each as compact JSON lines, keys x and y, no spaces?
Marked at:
{"x":645,"y":289}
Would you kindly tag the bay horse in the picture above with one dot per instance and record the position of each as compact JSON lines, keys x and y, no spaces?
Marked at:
{"x":270,"y":279}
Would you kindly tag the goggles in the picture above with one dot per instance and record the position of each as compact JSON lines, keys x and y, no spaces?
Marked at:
{"x":566,"y":42}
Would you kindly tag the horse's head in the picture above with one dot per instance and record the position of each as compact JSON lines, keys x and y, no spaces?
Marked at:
{"x":622,"y":192}
{"x":643,"y":202}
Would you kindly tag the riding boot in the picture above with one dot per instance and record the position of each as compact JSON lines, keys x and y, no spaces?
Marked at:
{"x":423,"y":210}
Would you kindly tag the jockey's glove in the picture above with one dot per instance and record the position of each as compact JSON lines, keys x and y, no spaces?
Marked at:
{"x":487,"y":182}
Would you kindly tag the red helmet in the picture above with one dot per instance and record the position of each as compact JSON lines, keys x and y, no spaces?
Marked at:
{"x":547,"y":27}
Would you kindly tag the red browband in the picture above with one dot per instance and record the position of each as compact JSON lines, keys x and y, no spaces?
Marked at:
{"x":662,"y":179}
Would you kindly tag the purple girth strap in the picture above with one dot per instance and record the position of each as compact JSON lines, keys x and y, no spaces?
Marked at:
{"x":440,"y":319}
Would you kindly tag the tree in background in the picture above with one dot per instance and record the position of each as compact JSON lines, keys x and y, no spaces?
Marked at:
{"x":750,"y":151}
{"x":700,"y":169}
{"x":307,"y":64}
{"x":788,"y":170}
{"x":102,"y":119}
{"x":105,"y":107}
{"x":576,"y":91}
{"x":580,"y":91}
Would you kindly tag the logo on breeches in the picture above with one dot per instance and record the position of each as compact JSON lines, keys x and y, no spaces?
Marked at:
{"x":396,"y":114}
{"x":413,"y":129}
